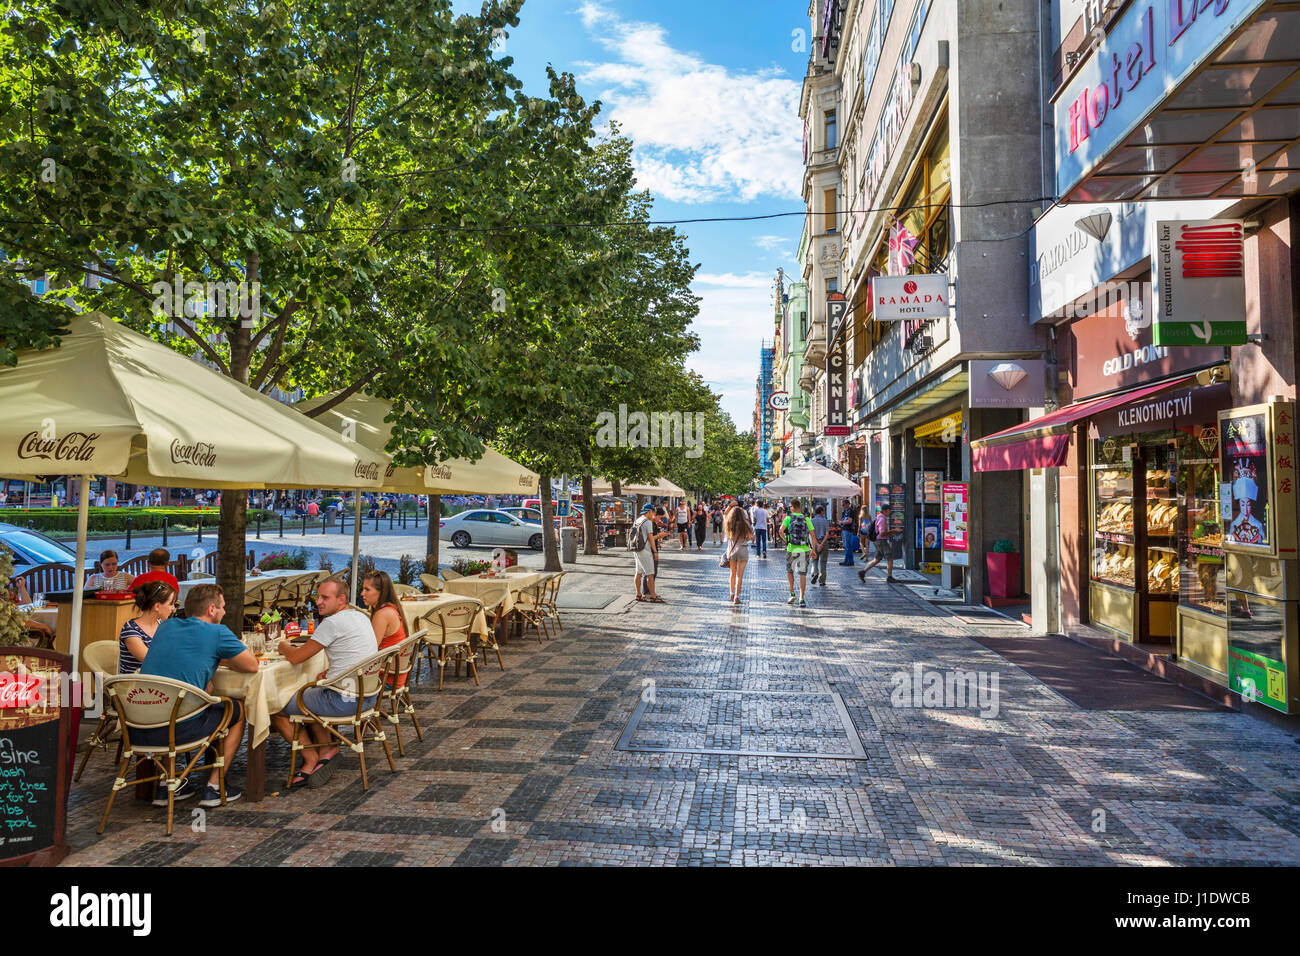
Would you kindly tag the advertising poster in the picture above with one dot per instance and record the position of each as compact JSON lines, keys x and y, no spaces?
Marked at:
{"x":1245,"y":464}
{"x":927,"y":533}
{"x":927,"y":486}
{"x":1256,"y":632}
{"x":956,"y":511}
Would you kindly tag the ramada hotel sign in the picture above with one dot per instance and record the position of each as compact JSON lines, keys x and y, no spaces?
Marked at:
{"x":899,"y":298}
{"x":1145,"y":55}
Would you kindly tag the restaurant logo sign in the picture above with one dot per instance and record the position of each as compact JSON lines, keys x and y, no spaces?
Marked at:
{"x":366,"y":470}
{"x":1200,"y":282}
{"x":201,"y":454}
{"x":74,"y":446}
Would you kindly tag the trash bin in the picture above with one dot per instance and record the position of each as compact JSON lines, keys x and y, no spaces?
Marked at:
{"x":569,"y":545}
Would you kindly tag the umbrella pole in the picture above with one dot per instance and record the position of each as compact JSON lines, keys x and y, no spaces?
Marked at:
{"x":79,"y":575}
{"x":356,"y":544}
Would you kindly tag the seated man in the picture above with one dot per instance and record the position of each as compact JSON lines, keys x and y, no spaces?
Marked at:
{"x":158,"y":561}
{"x":347,"y":637}
{"x":189,"y":650}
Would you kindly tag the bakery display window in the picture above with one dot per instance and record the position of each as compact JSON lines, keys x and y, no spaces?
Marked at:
{"x":1202,"y":580}
{"x":1114,"y":542}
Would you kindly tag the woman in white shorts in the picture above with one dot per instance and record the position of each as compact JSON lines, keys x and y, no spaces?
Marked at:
{"x":739,"y":533}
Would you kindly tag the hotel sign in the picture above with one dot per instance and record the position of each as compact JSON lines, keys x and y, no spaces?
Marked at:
{"x":1147,"y":52}
{"x":902,"y":298}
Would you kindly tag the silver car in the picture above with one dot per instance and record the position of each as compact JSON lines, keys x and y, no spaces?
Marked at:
{"x":482,"y":526}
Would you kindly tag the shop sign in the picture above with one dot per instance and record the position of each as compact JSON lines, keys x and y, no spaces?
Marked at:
{"x":837,"y":415}
{"x":1112,"y":351}
{"x":955,"y":515}
{"x":779,"y":401}
{"x":1284,"y":478}
{"x":899,"y":298}
{"x":1146,"y":53}
{"x":1199,"y":272}
{"x":1257,"y":677}
{"x":1183,"y":409}
{"x":1245,"y":466}
{"x":1013,"y":383}
{"x":836,"y":307}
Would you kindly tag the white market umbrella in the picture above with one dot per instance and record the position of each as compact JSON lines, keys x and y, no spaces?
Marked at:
{"x":109,"y":401}
{"x":659,"y":486}
{"x":813,"y":480}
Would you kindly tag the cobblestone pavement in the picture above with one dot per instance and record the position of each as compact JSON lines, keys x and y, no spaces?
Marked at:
{"x":763,"y":734}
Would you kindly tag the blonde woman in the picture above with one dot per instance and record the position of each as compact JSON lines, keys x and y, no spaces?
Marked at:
{"x":739,"y":533}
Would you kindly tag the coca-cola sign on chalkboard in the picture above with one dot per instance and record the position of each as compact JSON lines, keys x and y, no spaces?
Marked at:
{"x":33,"y":756}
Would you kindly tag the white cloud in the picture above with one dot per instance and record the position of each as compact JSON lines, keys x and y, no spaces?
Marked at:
{"x":702,"y":132}
{"x":736,"y":316}
{"x":770,"y":243}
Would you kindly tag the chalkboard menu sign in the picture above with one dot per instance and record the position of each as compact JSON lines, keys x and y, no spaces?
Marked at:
{"x":33,"y":756}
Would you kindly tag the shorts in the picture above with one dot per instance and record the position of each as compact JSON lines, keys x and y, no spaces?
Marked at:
{"x":681,"y":528}
{"x":326,"y":702}
{"x":796,"y":562}
{"x":645,"y":561}
{"x":190,"y":729}
{"x":883,"y":550}
{"x":717,"y":526}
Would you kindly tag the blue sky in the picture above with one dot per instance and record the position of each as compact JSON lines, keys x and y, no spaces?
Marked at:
{"x":709,"y":93}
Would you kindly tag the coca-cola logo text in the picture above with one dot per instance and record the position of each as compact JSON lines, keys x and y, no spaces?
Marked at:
{"x":201,"y":454}
{"x":74,"y":446}
{"x":441,"y":472}
{"x":20,"y":690}
{"x":525,"y":481}
{"x":367,"y":470}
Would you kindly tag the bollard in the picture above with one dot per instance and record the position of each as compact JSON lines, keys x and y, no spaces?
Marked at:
{"x":200,"y":537}
{"x":376,"y":522}
{"x":259,"y":526}
{"x":390,"y":521}
{"x":128,"y":532}
{"x":282,"y":526}
{"x":304,"y":526}
{"x":164,"y":531}
{"x":31,"y":524}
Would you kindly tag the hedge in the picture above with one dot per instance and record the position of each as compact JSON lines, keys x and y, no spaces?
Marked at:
{"x":114,"y":519}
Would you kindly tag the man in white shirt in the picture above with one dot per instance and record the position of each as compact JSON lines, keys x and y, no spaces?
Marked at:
{"x":347,"y":638}
{"x":758,"y":516}
{"x":646,"y":546}
{"x":683,"y":522}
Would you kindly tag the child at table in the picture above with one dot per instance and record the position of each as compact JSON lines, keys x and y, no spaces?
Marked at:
{"x":379,"y":595}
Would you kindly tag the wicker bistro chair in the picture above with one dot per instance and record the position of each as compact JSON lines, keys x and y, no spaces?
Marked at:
{"x":397,"y":687}
{"x":101,"y":658}
{"x":432,"y":583}
{"x":147,"y":703}
{"x":519,"y":569}
{"x":295,"y":592}
{"x":531,"y":606}
{"x":551,"y":598}
{"x":447,"y":631}
{"x":405,"y":589}
{"x":448,"y":574}
{"x":363,"y":681}
{"x":493,"y":598}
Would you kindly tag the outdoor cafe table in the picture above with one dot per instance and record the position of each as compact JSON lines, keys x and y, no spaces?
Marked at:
{"x":476,"y":585}
{"x":249,"y":580}
{"x":414,"y":610}
{"x":275,"y":684}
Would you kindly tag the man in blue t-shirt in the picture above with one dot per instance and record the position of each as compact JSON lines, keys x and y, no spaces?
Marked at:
{"x":189,"y":650}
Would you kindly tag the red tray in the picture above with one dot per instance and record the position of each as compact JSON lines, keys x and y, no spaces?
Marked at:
{"x":114,"y":596}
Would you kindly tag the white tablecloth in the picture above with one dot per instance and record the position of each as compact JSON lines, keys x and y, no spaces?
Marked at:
{"x":264,"y":576}
{"x":476,"y":585}
{"x":266,"y":692}
{"x":413,"y":610}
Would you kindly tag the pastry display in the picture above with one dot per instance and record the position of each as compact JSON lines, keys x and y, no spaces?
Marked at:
{"x":1116,"y":566}
{"x":1116,"y":517}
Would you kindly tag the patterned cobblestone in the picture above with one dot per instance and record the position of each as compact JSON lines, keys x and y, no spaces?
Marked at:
{"x":698,"y":734}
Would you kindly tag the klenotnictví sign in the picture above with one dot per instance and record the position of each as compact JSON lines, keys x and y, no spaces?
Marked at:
{"x":1144,"y":56}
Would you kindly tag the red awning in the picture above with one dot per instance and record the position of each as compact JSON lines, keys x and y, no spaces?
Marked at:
{"x":1044,"y":442}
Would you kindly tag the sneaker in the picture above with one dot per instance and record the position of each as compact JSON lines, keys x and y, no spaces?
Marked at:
{"x":862,"y":576}
{"x":803,"y":603}
{"x":792,"y":599}
{"x":212,"y":796}
{"x":822,"y":584}
{"x":183,"y":792}
{"x":813,"y":579}
{"x":890,"y":579}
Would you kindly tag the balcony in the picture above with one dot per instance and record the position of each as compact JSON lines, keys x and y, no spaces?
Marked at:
{"x":807,"y":378}
{"x":814,"y":351}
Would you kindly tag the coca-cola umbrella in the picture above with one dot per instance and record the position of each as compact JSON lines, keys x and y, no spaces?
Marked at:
{"x":112,"y":402}
{"x":361,"y":417}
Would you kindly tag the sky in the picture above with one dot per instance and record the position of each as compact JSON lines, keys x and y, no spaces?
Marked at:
{"x":708,"y":90}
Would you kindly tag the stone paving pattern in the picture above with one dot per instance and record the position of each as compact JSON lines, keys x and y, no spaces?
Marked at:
{"x":525,"y":769}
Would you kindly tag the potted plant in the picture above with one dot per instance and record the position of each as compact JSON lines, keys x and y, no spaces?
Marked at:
{"x":1003,"y":565}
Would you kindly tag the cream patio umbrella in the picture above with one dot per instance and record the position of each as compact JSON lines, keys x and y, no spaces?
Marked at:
{"x":659,"y":486}
{"x":811,"y":479}
{"x":112,"y":402}
{"x":361,"y":417}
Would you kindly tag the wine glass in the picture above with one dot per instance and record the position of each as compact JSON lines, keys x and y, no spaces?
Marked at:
{"x":39,"y":598}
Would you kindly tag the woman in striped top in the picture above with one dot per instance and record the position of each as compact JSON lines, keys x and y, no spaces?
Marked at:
{"x":156,"y":601}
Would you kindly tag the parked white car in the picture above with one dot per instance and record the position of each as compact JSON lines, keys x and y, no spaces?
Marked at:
{"x":490,"y":528}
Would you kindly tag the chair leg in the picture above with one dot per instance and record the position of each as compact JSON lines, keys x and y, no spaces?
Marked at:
{"x":442,"y":664}
{"x":497,"y":648}
{"x":397,"y":727}
{"x":171,"y":792}
{"x":387,"y":752}
{"x":472,"y":668}
{"x":365,"y":782}
{"x":112,"y":794}
{"x":293,"y":754}
{"x":416,"y":721}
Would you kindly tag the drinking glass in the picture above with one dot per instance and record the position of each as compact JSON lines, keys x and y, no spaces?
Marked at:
{"x":39,"y":598}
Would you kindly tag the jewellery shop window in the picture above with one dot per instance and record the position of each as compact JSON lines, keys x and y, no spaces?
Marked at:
{"x":1202,"y":582}
{"x":1114,"y":542}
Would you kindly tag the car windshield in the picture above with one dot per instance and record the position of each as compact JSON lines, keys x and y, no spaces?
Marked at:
{"x":40,"y":547}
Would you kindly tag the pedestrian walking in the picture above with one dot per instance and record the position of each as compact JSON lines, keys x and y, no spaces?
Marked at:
{"x":798,"y":532}
{"x":821,"y":533}
{"x":701,"y":520}
{"x":739,"y":533}
{"x":715,"y":517}
{"x":877,"y":532}
{"x":683,"y":523}
{"x":759,"y":520}
{"x":645,"y":548}
{"x":849,"y":531}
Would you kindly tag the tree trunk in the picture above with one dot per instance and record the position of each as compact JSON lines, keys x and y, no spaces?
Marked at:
{"x":589,"y":517}
{"x":230,"y":556}
{"x":550,"y":543}
{"x":431,"y":535}
{"x":616,"y":487}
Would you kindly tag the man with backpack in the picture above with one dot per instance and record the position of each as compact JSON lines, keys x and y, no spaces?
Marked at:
{"x":876,"y":531}
{"x":849,"y":531}
{"x":644,"y":547}
{"x":800,"y":535}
